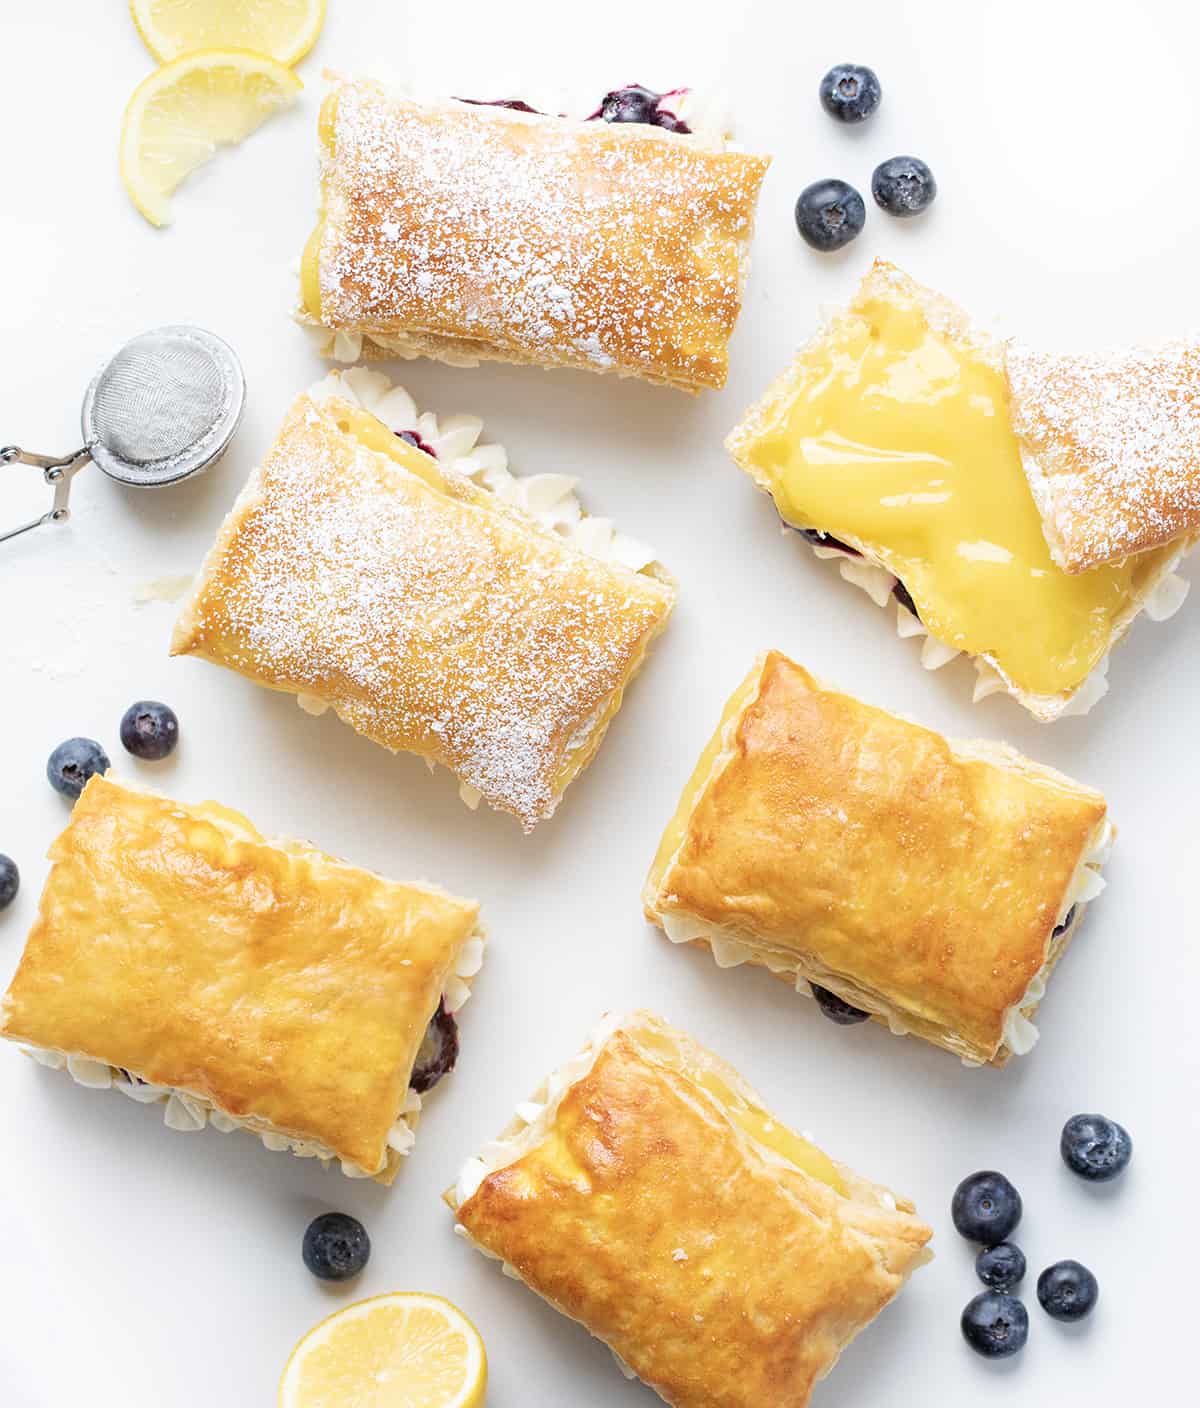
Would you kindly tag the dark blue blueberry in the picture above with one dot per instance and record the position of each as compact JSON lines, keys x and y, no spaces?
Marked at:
{"x":632,"y":104}
{"x":438,"y":1051}
{"x":149,"y":730}
{"x":995,"y":1325}
{"x":850,"y":92}
{"x":669,"y":122}
{"x":1067,"y":1291}
{"x":411,"y":437}
{"x":836,"y":1008}
{"x":1001,"y":1267}
{"x":72,"y":763}
{"x":1096,"y":1148}
{"x":10,"y":881}
{"x":986,"y":1208}
{"x":336,"y":1246}
{"x":829,"y":214}
{"x":901,"y":593}
{"x":903,"y":185}
{"x":1068,"y":920}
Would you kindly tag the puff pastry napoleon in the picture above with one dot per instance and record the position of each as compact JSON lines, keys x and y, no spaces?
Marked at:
{"x":466,"y":232}
{"x":930,"y":884}
{"x":1111,"y":446}
{"x":180,"y":957}
{"x":438,"y":603}
{"x":889,"y":444}
{"x":648,"y":1193}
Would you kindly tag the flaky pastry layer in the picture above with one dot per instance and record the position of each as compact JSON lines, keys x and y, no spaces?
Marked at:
{"x":647,"y":1193}
{"x":928,"y":883}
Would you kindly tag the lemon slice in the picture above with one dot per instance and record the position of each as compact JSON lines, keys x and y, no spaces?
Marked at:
{"x":185,"y":110}
{"x":397,"y":1351}
{"x":284,"y":29}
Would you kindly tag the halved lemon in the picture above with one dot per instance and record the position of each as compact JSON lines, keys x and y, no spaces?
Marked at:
{"x":397,"y":1351}
{"x":185,"y":110}
{"x":284,"y":29}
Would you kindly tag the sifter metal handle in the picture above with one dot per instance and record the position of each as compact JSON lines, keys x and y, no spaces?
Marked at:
{"x":57,"y":473}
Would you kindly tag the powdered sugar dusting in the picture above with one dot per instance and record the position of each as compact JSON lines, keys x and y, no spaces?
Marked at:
{"x":440,"y":622}
{"x":459,"y":230}
{"x":1111,"y":445}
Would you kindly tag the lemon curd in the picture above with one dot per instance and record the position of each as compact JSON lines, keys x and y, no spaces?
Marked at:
{"x":310,"y":261}
{"x":895,"y":436}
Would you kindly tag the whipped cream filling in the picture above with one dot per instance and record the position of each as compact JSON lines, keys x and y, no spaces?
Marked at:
{"x":187,"y":1112}
{"x":1163,"y":601}
{"x":1020,"y":1035}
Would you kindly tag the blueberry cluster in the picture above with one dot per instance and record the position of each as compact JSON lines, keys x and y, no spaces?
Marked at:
{"x":149,"y":730}
{"x":830,"y":213}
{"x":986,"y":1208}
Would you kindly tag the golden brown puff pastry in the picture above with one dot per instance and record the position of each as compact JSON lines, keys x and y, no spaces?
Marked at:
{"x":889,"y":444}
{"x":178,"y":955}
{"x":1111,"y":446}
{"x":930,"y":884}
{"x":648,"y":1193}
{"x":466,"y":232}
{"x":432,"y":612}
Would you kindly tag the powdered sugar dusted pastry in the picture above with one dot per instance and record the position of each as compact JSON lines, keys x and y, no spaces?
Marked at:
{"x":889,"y":444}
{"x":647,"y":1192}
{"x":929,"y":884}
{"x":1111,"y":447}
{"x":185,"y":960}
{"x":393,"y":569}
{"x":473,"y":231}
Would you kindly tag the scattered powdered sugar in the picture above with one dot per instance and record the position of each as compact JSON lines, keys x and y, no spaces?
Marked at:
{"x":530,"y":238}
{"x":445,"y":623}
{"x":1111,"y":445}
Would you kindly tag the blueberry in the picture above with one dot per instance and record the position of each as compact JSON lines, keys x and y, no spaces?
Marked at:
{"x":986,"y":1208}
{"x":72,"y":763}
{"x":336,"y":1246}
{"x":829,"y":214}
{"x":903,"y":185}
{"x":1001,"y":1267}
{"x":149,"y":730}
{"x":850,"y":92}
{"x":412,"y":438}
{"x":438,"y":1052}
{"x":826,"y":540}
{"x":517,"y":104}
{"x":669,"y":122}
{"x":901,"y":593}
{"x":836,"y":1009}
{"x":1096,"y":1148}
{"x":995,"y":1325}
{"x":632,"y":104}
{"x":10,"y":880}
{"x":1067,"y":1291}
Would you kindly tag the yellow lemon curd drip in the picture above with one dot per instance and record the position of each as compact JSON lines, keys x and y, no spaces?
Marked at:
{"x":749,"y":1118}
{"x":310,"y":262}
{"x":897,"y":437}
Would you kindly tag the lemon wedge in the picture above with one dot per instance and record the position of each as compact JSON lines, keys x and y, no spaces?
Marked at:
{"x":396,"y":1351}
{"x":185,"y":110}
{"x":284,"y":29}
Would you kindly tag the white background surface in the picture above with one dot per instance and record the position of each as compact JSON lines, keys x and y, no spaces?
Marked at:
{"x":143,"y":1267}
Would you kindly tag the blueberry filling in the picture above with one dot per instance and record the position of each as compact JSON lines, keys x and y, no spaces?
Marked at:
{"x":515,"y":103}
{"x":438,"y":1053}
{"x":900,"y":592}
{"x":634,"y":103}
{"x":837,"y":1009}
{"x":1068,"y":920}
{"x":411,"y":437}
{"x":825,"y":540}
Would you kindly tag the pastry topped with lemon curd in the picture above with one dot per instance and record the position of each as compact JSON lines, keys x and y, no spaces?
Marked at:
{"x":647,"y":1192}
{"x":889,"y":442}
{"x":468,"y":231}
{"x":388,"y":566}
